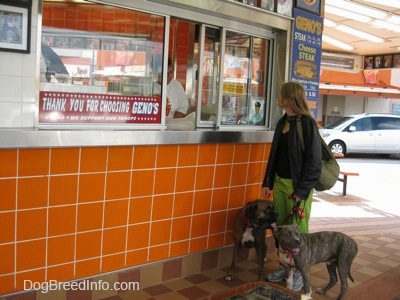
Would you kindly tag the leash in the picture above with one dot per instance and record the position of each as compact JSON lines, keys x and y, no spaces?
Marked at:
{"x":295,"y":210}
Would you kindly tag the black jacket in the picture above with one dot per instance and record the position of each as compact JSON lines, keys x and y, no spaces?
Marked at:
{"x":305,"y":165}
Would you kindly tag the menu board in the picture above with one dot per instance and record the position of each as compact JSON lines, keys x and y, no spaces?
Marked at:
{"x":306,"y":59}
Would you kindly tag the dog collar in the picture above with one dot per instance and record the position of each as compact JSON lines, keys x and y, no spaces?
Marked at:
{"x":289,"y":254}
{"x":246,"y":223}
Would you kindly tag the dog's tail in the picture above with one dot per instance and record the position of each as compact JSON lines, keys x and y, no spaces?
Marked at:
{"x":351,"y":277}
{"x":355,"y":253}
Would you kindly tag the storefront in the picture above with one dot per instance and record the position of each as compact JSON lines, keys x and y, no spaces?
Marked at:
{"x":97,"y":177}
{"x":358,"y":91}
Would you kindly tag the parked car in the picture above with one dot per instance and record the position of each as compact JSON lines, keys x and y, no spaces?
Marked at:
{"x":364,"y":133}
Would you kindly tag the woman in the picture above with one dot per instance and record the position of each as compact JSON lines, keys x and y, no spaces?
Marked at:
{"x":291,"y":171}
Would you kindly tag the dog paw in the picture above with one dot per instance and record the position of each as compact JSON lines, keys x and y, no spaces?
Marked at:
{"x":229,"y":277}
{"x":320,"y":291}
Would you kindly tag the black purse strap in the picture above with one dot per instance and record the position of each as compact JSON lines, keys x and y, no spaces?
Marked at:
{"x":300,"y":131}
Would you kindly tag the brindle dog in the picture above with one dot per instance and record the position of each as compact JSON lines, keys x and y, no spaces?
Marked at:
{"x":303,"y":250}
{"x":249,"y":231}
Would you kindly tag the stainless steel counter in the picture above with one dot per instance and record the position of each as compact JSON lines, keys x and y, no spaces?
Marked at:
{"x":20,"y":138}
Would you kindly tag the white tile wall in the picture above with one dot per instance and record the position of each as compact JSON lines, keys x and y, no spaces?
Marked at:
{"x":10,"y":88}
{"x":10,"y":115}
{"x":18,"y":83}
{"x":11,"y":64}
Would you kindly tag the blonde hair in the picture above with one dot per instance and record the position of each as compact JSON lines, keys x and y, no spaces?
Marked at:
{"x":295,"y":94}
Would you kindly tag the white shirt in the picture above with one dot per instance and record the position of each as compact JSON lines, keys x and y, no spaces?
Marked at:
{"x":176,"y":97}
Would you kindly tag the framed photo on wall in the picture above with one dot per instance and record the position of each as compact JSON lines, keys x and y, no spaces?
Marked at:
{"x":77,"y":42}
{"x":48,"y":40}
{"x":61,"y":41}
{"x":23,"y":2}
{"x":396,"y":61}
{"x":285,"y":7}
{"x":267,"y":4}
{"x":387,"y":61}
{"x":378,"y":62}
{"x":368,"y":62}
{"x":313,"y":6}
{"x":92,"y":43}
{"x":15,"y":27}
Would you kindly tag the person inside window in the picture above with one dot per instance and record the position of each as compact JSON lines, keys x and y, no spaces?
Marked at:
{"x":177,"y":102}
{"x":292,"y":173}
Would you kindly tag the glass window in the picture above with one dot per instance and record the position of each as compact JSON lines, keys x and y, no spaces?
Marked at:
{"x":97,"y":69}
{"x":210,"y":73}
{"x":386,"y":123}
{"x":244,"y":80}
{"x":110,"y":70}
{"x":363,"y":124}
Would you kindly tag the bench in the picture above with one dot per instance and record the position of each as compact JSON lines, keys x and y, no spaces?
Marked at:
{"x":344,"y":179}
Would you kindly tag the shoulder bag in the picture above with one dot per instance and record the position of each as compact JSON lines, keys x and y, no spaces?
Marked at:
{"x":330,"y":168}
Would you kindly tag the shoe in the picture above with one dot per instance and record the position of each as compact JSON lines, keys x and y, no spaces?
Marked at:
{"x":278,"y":275}
{"x":297,"y":282}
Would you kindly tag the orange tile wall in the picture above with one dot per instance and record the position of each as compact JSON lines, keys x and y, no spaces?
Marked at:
{"x":102,"y":18}
{"x":68,"y":213}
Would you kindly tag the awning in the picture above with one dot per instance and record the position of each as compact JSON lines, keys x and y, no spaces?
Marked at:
{"x":359,"y":91}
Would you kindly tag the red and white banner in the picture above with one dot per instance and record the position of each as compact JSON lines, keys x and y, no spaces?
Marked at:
{"x":63,"y":107}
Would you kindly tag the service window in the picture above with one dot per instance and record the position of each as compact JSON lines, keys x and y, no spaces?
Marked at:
{"x":233,"y":81}
{"x":99,"y":65}
{"x":105,"y":65}
{"x":224,"y":75}
{"x":244,"y":100}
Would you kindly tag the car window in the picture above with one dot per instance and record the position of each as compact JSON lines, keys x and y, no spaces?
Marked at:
{"x":386,"y":123}
{"x":363,"y":124}
{"x":337,"y":123}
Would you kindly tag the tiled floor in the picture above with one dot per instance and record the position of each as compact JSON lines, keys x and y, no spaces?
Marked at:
{"x":376,"y":232}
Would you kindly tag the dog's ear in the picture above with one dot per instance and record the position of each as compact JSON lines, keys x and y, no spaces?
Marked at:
{"x":277,"y":231}
{"x":251,"y":210}
{"x":297,"y":231}
{"x":269,"y":207}
{"x":276,"y":234}
{"x":270,"y":210}
{"x":295,"y":228}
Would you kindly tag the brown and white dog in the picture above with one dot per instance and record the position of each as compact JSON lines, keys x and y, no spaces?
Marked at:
{"x":249,"y":229}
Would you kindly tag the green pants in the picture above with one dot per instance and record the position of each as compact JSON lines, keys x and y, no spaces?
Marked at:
{"x":283,"y":188}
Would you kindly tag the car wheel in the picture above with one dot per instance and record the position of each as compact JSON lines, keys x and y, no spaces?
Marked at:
{"x":338,"y":147}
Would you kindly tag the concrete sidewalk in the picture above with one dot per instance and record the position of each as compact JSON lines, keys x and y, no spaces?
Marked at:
{"x":374,"y":192}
